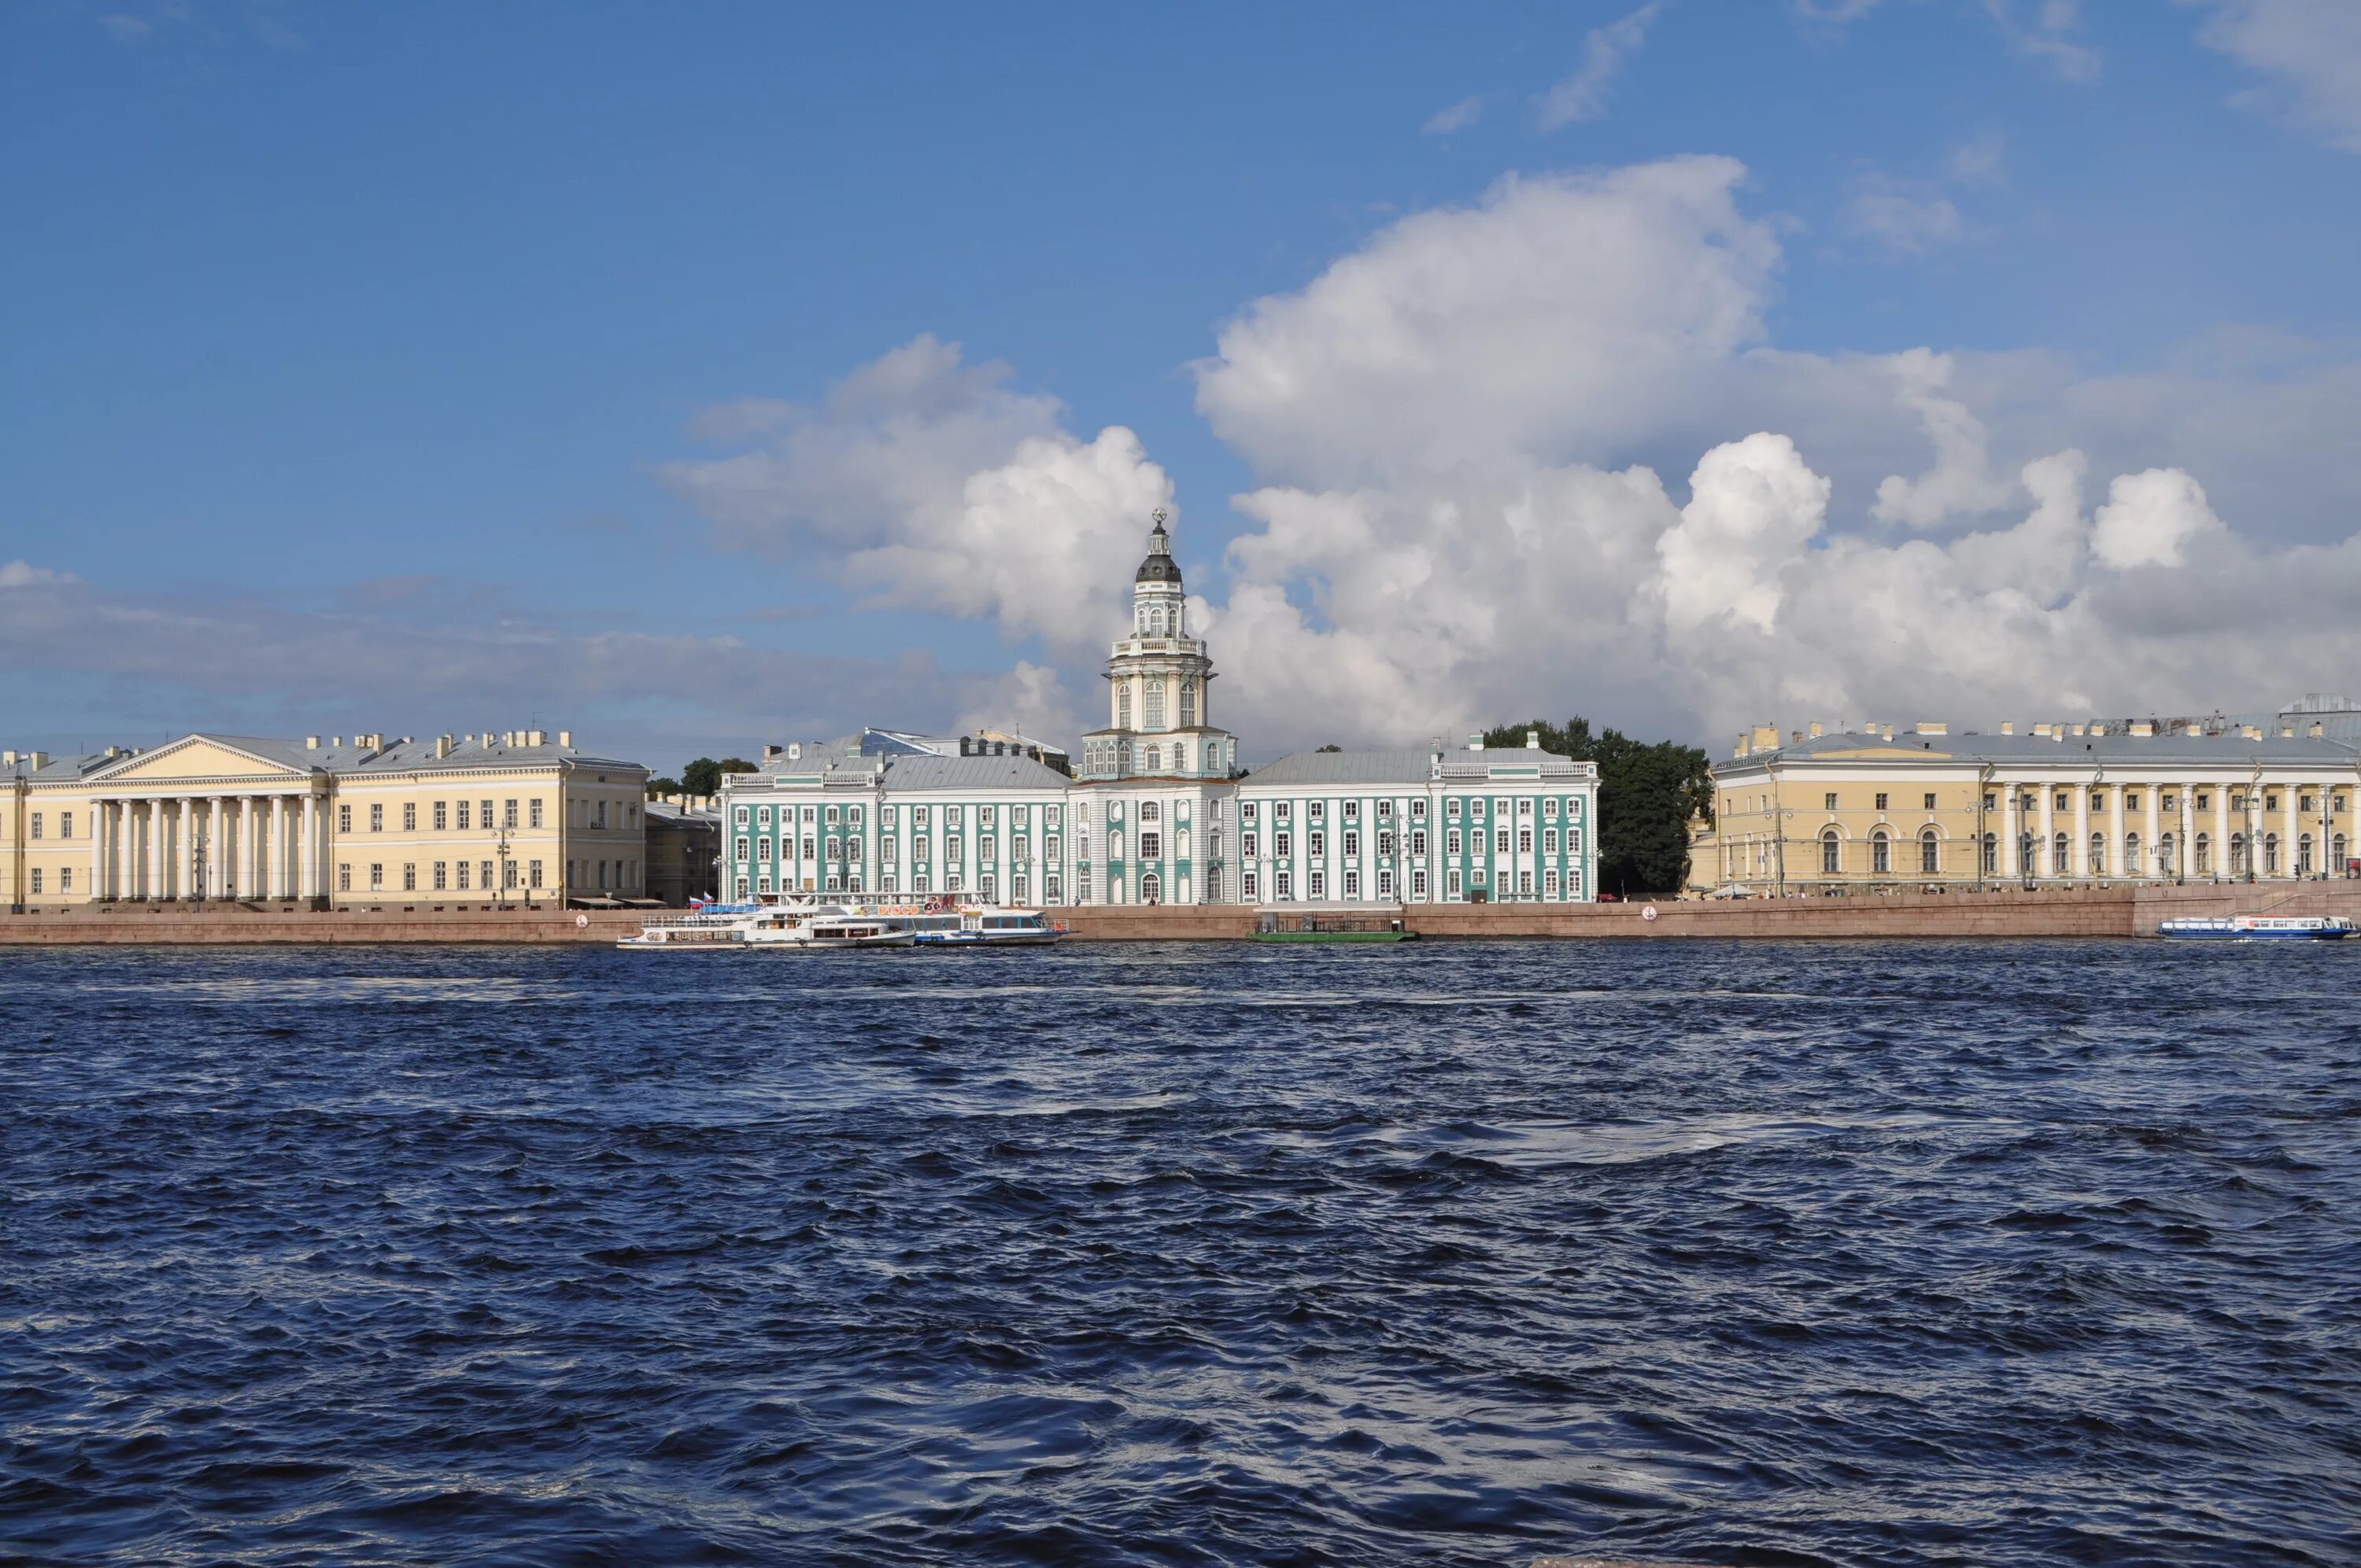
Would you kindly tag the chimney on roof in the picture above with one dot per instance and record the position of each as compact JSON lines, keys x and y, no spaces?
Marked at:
{"x":2287,"y":731}
{"x":1941,"y":728}
{"x":2251,"y":731}
{"x":1532,"y":739}
{"x":536,"y":737}
{"x":335,"y":740}
{"x":770,"y":751}
{"x":39,"y":759}
{"x":2008,"y":726}
{"x":1885,"y":732}
{"x":1814,"y":730}
{"x":566,"y":738}
{"x":1765,"y":737}
{"x":2316,"y":732}
{"x":2197,"y":730}
{"x":310,"y":743}
{"x":9,"y":759}
{"x":1475,"y":743}
{"x":442,"y":746}
{"x":2143,"y":726}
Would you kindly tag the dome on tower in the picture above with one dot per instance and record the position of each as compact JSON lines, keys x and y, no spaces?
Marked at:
{"x":1160,"y":566}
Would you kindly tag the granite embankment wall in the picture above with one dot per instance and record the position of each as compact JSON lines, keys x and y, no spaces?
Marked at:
{"x":2067,"y":912}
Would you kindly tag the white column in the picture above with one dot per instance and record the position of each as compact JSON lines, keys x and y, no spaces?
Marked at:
{"x":152,"y":885}
{"x":2115,"y":834}
{"x":281,"y":866}
{"x":2010,"y":831}
{"x":307,"y":858}
{"x":2186,"y":860}
{"x":2290,"y":800}
{"x":2148,"y":840}
{"x":2078,"y":853}
{"x":2041,"y":850}
{"x":249,"y":876}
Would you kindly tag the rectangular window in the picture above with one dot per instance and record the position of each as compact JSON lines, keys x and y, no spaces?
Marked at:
{"x":1352,"y":883}
{"x":1418,"y":841}
{"x":1151,"y":847}
{"x":410,"y":816}
{"x":1549,"y":842}
{"x":441,"y":817}
{"x":989,"y":850}
{"x":1281,"y":846}
{"x":65,"y":827}
{"x":1418,"y":885}
{"x":1352,"y":811}
{"x":484,"y":817}
{"x":1524,"y":882}
{"x":410,"y":876}
{"x":1319,"y":884}
{"x":533,"y":868}
{"x":1314,"y":810}
{"x":484,"y":875}
{"x":345,"y":877}
{"x":951,"y":818}
{"x":1930,"y":803}
{"x":345,"y":817}
{"x":811,"y":849}
{"x":463,"y":876}
{"x":1385,"y":884}
{"x":1502,"y":844}
{"x":1245,"y":811}
{"x":1280,"y":810}
{"x":1019,"y":817}
{"x":508,"y":874}
{"x":377,"y":818}
{"x":533,"y":808}
{"x":1052,"y":887}
{"x":1549,"y":806}
{"x":1451,"y":883}
{"x":37,"y":881}
{"x":1881,"y":800}
{"x":463,"y":817}
{"x":2131,"y":800}
{"x":1246,"y":844}
{"x":1352,"y":843}
{"x":509,"y":814}
{"x":1524,"y":805}
{"x":1286,"y":884}
{"x":1524,"y":840}
{"x":1248,"y":884}
{"x":1451,"y":843}
{"x":1451,"y":809}
{"x":986,"y":817}
{"x":37,"y":828}
{"x":1992,"y":801}
{"x":376,"y":875}
{"x":441,"y":875}
{"x":1051,"y":850}
{"x":1549,"y":883}
{"x":1418,"y":810}
{"x":2270,"y":803}
{"x":1319,"y":842}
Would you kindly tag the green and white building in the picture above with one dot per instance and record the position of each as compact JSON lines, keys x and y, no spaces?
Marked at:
{"x":1155,"y":809}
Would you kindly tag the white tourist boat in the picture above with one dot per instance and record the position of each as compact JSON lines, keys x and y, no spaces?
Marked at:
{"x":789,"y":926}
{"x":986,"y":925}
{"x":2259,"y":927}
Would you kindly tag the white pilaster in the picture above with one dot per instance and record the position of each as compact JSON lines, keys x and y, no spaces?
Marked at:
{"x":2042,"y":859}
{"x":2116,"y":834}
{"x":2289,"y":801}
{"x":2079,"y":851}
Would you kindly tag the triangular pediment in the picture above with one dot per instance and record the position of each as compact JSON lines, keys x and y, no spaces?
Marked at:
{"x":201,"y":758}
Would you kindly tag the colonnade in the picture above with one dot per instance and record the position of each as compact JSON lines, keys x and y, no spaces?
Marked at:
{"x":2258,"y":823}
{"x":209,"y":846}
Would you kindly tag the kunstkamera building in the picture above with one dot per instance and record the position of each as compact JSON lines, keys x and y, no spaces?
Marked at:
{"x":1154,"y":808}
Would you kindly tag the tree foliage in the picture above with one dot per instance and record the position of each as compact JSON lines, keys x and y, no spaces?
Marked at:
{"x":1647,"y":792}
{"x":659,"y":788}
{"x":703,"y":776}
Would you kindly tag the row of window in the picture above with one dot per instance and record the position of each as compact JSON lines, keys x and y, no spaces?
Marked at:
{"x":1388,"y":843}
{"x":849,"y":880}
{"x":2162,"y":859}
{"x":1020,"y":818}
{"x":1350,"y":810}
{"x":1315,"y":881}
{"x":833,"y":848}
{"x":2134,"y":800}
{"x":469,"y":876}
{"x":65,"y":881}
{"x":1102,"y":757}
{"x":65,"y":825}
{"x":1152,"y":704}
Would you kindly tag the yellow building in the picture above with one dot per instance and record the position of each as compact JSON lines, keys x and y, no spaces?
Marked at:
{"x":480,"y":818}
{"x":2059,"y":804}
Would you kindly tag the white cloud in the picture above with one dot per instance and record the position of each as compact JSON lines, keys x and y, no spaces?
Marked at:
{"x":1452,"y":523}
{"x":1457,"y":117}
{"x":1561,"y":313}
{"x":1903,"y":217}
{"x":2044,"y":30}
{"x":2310,"y":52}
{"x":1583,"y":95}
{"x":24,"y":575}
{"x":933,"y":486}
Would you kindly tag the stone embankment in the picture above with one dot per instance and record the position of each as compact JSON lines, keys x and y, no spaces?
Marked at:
{"x":2012,"y":912}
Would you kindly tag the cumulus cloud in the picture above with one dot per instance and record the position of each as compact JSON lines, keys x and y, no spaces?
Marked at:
{"x":1560,"y":313}
{"x":1453,"y":521}
{"x":24,"y":575}
{"x":2309,"y":53}
{"x":930,"y":484}
{"x":1583,"y":95}
{"x":1902,"y":217}
{"x":2044,"y":30}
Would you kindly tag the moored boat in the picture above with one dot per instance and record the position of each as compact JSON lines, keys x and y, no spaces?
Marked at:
{"x":2257,"y":928}
{"x":983,"y":925}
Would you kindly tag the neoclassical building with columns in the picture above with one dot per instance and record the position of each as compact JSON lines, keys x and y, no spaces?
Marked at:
{"x":2058,"y":803}
{"x":364,"y":820}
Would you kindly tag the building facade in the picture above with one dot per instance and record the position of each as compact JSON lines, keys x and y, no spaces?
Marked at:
{"x":2059,"y":804}
{"x":506,"y":818}
{"x":1156,"y":809}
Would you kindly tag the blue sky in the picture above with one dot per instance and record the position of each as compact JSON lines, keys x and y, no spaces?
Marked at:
{"x":363,"y":362}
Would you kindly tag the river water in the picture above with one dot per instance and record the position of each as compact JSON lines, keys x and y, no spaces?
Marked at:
{"x":1767,"y":1254}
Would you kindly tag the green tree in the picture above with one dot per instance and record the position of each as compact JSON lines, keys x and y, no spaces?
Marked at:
{"x":702,"y":776}
{"x":658,"y":788}
{"x":1647,"y":792}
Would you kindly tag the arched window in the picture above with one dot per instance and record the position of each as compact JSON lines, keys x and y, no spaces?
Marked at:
{"x":1123,"y":756}
{"x":1991,"y":854}
{"x":2237,"y":854}
{"x":2337,"y":855}
{"x":1179,"y":758}
{"x":2271,"y":854}
{"x":1188,"y":704}
{"x":1155,"y":703}
{"x":2130,"y":854}
{"x":2303,"y":855}
{"x":1880,"y":854}
{"x":2027,"y":848}
{"x":2060,"y":863}
{"x":1832,"y":851}
{"x":1149,"y":812}
{"x":1152,"y":888}
{"x":1930,"y":852}
{"x":1123,"y":705}
{"x":2098,"y":854}
{"x":2203,"y":863}
{"x":2167,"y":855}
{"x":1154,"y":762}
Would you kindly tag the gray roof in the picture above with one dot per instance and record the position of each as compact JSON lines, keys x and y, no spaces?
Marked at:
{"x":1007,"y":771}
{"x":57,"y":769}
{"x":1404,"y":766}
{"x":2177,"y":746}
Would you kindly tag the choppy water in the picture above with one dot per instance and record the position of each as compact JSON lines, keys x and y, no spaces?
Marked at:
{"x":1765,"y":1254}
